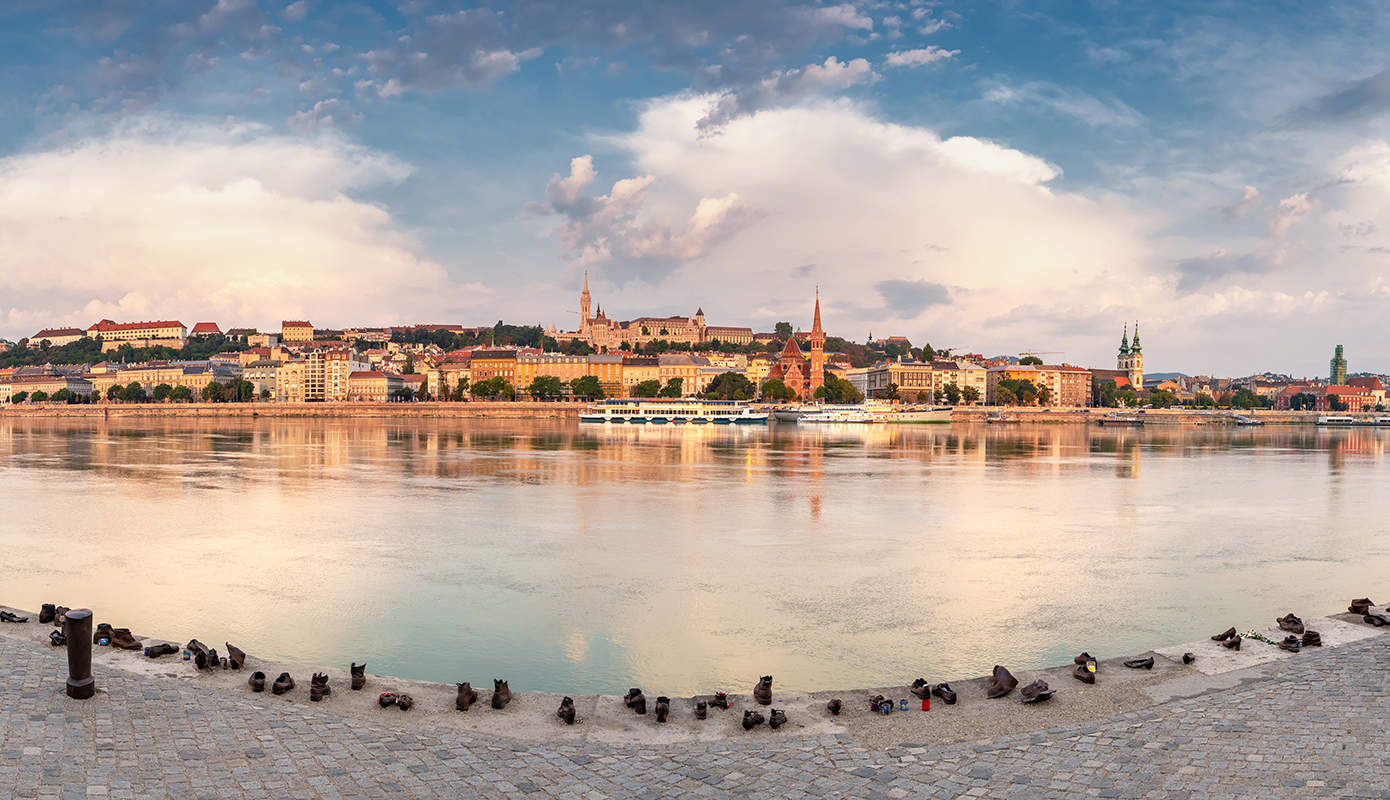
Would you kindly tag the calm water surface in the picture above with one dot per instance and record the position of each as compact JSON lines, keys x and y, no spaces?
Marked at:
{"x":581,"y":558}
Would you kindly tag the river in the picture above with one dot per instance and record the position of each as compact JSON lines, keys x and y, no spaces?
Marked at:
{"x":589,"y":558}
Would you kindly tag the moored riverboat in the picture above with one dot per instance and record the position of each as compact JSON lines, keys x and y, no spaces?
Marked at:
{"x":923,"y":415}
{"x":1346,"y":420}
{"x":655,"y":411}
{"x":855,"y":414}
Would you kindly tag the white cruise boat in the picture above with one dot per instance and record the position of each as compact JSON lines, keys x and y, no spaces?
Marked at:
{"x":840,"y":414}
{"x":660,"y":411}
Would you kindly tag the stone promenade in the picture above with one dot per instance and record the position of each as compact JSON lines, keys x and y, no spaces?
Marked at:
{"x":1317,"y":725}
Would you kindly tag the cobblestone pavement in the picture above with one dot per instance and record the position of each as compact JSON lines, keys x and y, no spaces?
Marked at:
{"x":1317,"y":727}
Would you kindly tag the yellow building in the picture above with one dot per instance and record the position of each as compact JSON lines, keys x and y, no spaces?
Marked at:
{"x":1067,"y":386}
{"x":488,"y":364}
{"x":638,"y":370}
{"x":530,"y":366}
{"x":124,"y":331}
{"x":296,"y":331}
{"x":56,"y":337}
{"x":367,"y":386}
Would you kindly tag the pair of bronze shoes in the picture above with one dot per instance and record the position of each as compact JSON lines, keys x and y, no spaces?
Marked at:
{"x":166,"y":649}
{"x":123,"y":639}
{"x":1228,"y":638}
{"x":466,"y":697}
{"x":1291,"y":644}
{"x":1084,"y":672}
{"x":282,"y":684}
{"x":402,"y":701}
{"x":1001,"y":682}
{"x":1359,"y":606}
{"x":566,"y":710}
{"x":635,"y":700}
{"x":752,"y":719}
{"x":1140,"y":663}
{"x":57,"y":639}
{"x":1290,"y":624}
{"x":204,"y":657}
{"x":721,"y":700}
{"x":1378,"y":620}
{"x":762,"y":693}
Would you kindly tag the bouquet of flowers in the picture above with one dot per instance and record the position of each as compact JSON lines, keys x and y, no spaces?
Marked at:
{"x":1254,"y":634}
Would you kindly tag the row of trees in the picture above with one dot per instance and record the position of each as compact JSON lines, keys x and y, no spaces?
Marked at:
{"x":89,"y":351}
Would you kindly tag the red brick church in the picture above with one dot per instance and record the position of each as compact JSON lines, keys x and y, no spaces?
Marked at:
{"x":801,"y":374}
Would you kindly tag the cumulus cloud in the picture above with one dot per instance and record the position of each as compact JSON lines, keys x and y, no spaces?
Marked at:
{"x":1291,"y":211}
{"x":782,"y":87}
{"x":613,"y":229}
{"x":1236,"y":211}
{"x":918,"y":58}
{"x":162,"y":218}
{"x":911,"y":230}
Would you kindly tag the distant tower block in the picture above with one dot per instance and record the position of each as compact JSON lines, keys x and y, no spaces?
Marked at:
{"x":1338,"y":376}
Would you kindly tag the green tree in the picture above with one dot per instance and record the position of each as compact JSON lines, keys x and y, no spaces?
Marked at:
{"x":673,"y":387}
{"x":970,"y":394}
{"x":952,"y":393}
{"x":1030,"y":361}
{"x":1005,"y":396}
{"x":494,"y":387}
{"x":783,"y":331}
{"x":1334,"y":402}
{"x":889,"y":392}
{"x":776,"y":390}
{"x":1204,"y":400}
{"x":1244,"y":398}
{"x":409,"y":365}
{"x":244,"y":390}
{"x":1021,"y":392}
{"x":213,"y":392}
{"x":265,"y":394}
{"x":404,"y":394}
{"x":39,"y":397}
{"x":19,"y":397}
{"x":838,"y":390}
{"x":1103,"y":394}
{"x":114,"y":391}
{"x":181,"y":394}
{"x":462,"y":392}
{"x":133,"y":393}
{"x":546,"y":386}
{"x":1161,"y":398}
{"x":162,"y":392}
{"x":730,"y":386}
{"x":647,"y":389}
{"x":63,"y":395}
{"x":587,"y":386}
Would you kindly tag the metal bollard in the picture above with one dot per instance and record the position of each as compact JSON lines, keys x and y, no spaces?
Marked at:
{"x":78,"y":629}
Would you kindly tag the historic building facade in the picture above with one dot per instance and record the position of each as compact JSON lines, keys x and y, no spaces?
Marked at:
{"x":1131,"y":358}
{"x":600,"y":331}
{"x":801,"y":373}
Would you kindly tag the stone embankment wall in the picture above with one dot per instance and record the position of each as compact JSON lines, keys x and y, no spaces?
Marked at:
{"x":522,"y":410}
{"x":1150,"y":416}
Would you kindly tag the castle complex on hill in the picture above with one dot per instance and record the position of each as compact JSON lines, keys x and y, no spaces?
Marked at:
{"x":599,"y":331}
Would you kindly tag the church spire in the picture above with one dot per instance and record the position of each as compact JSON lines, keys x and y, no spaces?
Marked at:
{"x":1124,"y":341}
{"x":815,"y":326}
{"x":1136,"y":348}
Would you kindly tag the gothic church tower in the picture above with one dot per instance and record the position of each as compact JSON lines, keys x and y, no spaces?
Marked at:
{"x":817,"y":341}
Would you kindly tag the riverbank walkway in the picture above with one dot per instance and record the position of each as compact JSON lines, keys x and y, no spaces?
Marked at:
{"x":1313,"y":725}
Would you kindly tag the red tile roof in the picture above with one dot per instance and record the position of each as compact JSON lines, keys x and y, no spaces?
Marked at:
{"x":108,"y":325}
{"x":205,"y":327}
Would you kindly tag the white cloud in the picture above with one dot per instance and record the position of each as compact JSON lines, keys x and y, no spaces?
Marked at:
{"x":1072,"y":102}
{"x":903,"y":229}
{"x":917,"y":58}
{"x":165,"y":219}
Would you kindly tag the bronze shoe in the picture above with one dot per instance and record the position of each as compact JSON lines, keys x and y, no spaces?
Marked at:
{"x":721,"y":700}
{"x":282,"y":684}
{"x":103,"y":631}
{"x":257,"y":681}
{"x":1140,"y":663}
{"x":6,"y":616}
{"x":1083,"y":658}
{"x":920,"y":689}
{"x":501,"y":694}
{"x":1001,"y":682}
{"x":1036,"y":692}
{"x":1290,"y":623}
{"x":162,"y":650}
{"x":663,"y":708}
{"x":1290,"y":644}
{"x":49,"y":612}
{"x":467,"y":696}
{"x":701,"y":709}
{"x":635,"y":701}
{"x":1084,"y":675}
{"x":359,"y":677}
{"x":1232,"y":643}
{"x":777,"y":719}
{"x":1188,"y":658}
{"x":834,"y":706}
{"x":1312,"y":639}
{"x":318,"y":685}
{"x":566,"y":710}
{"x":1224,"y":635}
{"x":762,"y":693}
{"x":57,"y":639}
{"x":752,"y":719}
{"x":1358,"y":606}
{"x":943,"y":690}
{"x":122,"y":638}
{"x":403,"y":702}
{"x":236,"y":657}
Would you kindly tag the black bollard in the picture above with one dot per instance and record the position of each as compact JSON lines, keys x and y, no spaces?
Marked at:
{"x":78,"y":630}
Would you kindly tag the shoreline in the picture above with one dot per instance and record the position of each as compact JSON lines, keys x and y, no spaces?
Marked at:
{"x":603,"y":719}
{"x":543,"y":410}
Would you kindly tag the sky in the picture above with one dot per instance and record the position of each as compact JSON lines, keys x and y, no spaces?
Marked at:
{"x":990,"y":176}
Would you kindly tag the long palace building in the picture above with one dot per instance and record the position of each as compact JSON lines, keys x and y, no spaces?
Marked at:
{"x":599,"y":331}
